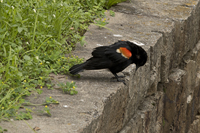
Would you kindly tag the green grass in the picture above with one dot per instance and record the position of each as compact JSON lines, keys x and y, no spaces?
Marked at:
{"x":35,"y":36}
{"x":110,"y":3}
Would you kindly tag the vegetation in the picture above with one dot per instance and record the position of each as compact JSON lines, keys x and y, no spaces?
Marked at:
{"x":110,"y":3}
{"x":68,"y":88}
{"x":35,"y":36}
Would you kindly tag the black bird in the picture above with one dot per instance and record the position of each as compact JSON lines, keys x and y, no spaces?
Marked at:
{"x":115,"y":57}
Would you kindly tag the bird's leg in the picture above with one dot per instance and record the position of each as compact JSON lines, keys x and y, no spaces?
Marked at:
{"x":121,"y":76}
{"x":117,"y":77}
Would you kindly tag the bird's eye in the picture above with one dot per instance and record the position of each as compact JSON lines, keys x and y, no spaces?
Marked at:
{"x":138,"y":56}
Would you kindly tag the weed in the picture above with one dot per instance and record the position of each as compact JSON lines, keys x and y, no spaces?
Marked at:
{"x":50,"y":100}
{"x":68,"y":88}
{"x":101,"y":23}
{"x":163,"y":122}
{"x":47,"y":110}
{"x":3,"y":130}
{"x":34,"y":38}
{"x":110,"y":3}
{"x":112,"y":13}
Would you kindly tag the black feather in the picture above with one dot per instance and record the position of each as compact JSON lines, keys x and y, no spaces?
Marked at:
{"x":98,"y":51}
{"x":77,"y":68}
{"x":107,"y":57}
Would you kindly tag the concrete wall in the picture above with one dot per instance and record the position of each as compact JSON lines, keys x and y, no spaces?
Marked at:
{"x":164,"y":95}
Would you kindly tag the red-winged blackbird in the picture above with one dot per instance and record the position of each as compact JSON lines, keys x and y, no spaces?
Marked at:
{"x":115,"y":57}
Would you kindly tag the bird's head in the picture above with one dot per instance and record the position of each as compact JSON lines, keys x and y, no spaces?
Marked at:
{"x":141,"y":57}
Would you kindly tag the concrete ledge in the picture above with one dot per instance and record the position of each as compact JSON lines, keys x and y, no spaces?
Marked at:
{"x":163,"y":96}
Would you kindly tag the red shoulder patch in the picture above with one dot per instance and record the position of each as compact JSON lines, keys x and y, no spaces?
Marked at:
{"x":125,"y":52}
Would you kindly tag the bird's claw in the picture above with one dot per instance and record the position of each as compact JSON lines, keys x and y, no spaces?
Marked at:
{"x":118,"y":80}
{"x":118,"y":77}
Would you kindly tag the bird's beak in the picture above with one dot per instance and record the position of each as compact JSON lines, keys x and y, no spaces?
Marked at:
{"x":136,"y":69}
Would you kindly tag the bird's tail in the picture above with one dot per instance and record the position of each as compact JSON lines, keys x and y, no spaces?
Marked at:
{"x":77,"y":68}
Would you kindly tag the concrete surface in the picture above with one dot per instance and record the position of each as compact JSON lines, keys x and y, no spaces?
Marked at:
{"x":163,"y":96}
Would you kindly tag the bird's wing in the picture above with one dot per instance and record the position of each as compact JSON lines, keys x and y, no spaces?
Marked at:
{"x":119,"y":52}
{"x":99,"y":51}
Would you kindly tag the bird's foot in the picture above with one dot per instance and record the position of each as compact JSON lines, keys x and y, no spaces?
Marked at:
{"x":118,"y":77}
{"x":114,"y":79}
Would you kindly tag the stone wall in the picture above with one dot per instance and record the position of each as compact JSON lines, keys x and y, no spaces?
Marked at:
{"x":164,"y":95}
